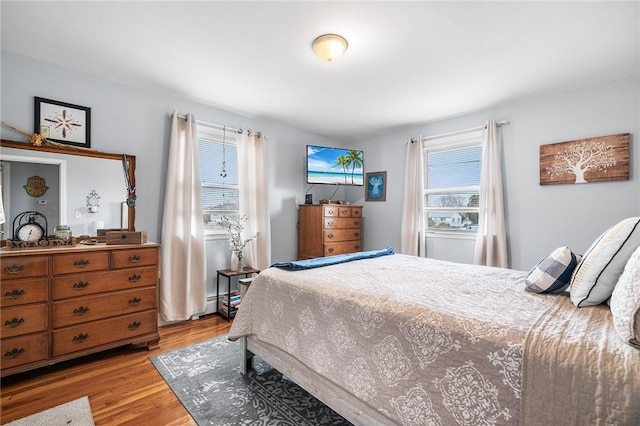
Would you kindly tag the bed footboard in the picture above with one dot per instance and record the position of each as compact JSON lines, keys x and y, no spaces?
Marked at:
{"x":340,"y":400}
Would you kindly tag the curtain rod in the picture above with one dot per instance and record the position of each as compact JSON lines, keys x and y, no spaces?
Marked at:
{"x":216,"y":126}
{"x":499,"y":124}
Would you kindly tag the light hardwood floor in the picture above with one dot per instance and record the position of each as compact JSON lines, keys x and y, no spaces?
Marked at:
{"x":123,"y":387}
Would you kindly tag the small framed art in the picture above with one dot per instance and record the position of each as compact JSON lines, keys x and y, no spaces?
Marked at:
{"x":62,"y":122}
{"x":376,"y":186}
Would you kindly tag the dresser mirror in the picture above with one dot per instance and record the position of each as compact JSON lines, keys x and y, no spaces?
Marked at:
{"x":61,"y":182}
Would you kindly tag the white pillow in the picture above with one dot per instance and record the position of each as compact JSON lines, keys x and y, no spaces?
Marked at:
{"x":553,"y":273}
{"x":625,"y":302}
{"x":595,"y":277}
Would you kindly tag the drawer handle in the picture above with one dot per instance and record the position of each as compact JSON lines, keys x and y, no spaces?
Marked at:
{"x":330,"y":250}
{"x":81,"y":285}
{"x":135,"y":325}
{"x":14,"y":353}
{"x":81,"y":263}
{"x":344,"y":212}
{"x":135,"y":277}
{"x":80,"y":311}
{"x":15,"y":294}
{"x":135,"y":301}
{"x":80,"y":338}
{"x":14,"y":322}
{"x":330,"y":211}
{"x":330,"y":236}
{"x":330,"y":223}
{"x":357,"y":247}
{"x":14,"y":269}
{"x":135,"y":258}
{"x":356,"y":234}
{"x":356,"y":212}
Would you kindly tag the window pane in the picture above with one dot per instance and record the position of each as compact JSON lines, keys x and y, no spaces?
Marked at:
{"x":219,"y":178}
{"x":212,"y":155}
{"x":469,"y":199}
{"x":454,"y":167}
{"x":213,"y":220}
{"x":452,"y":220}
{"x":452,"y":185}
{"x":219,"y":198}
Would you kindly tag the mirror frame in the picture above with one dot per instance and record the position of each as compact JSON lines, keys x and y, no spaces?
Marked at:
{"x":85,"y":153}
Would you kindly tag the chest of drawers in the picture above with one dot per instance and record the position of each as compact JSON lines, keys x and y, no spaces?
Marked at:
{"x":62,"y":303}
{"x":328,"y":229}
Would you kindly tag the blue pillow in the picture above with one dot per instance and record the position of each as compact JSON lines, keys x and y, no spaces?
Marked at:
{"x":553,"y":273}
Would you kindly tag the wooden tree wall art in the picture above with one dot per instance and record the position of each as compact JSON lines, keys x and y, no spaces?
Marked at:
{"x":598,"y":159}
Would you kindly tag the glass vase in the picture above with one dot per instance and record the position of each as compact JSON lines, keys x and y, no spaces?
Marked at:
{"x":236,"y":261}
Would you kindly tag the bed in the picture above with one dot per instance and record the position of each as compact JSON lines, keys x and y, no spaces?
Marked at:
{"x":398,"y":339}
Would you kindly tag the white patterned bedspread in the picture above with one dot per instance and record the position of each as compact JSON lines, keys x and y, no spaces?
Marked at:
{"x":578,"y":370}
{"x":424,"y":342}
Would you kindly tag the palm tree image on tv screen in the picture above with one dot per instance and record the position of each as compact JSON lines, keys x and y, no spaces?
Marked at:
{"x":335,"y":166}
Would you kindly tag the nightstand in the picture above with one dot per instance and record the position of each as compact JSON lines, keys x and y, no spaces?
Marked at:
{"x":229,"y":274}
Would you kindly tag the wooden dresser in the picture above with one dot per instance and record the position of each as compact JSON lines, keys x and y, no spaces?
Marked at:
{"x":61,"y":303}
{"x":328,"y":229}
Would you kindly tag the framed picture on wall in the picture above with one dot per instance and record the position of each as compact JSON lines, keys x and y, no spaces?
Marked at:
{"x":376,"y":189}
{"x":597,"y":159}
{"x":62,"y":122}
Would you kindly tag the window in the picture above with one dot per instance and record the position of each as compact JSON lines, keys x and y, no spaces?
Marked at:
{"x":218,"y":176}
{"x":452,"y":183}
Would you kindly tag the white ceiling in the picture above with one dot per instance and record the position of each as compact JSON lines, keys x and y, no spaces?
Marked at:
{"x":407,"y":62}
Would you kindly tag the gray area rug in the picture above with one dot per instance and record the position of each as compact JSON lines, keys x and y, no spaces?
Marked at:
{"x":206,"y":379}
{"x":73,"y":413}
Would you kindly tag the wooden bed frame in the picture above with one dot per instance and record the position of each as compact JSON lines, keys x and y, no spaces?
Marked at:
{"x":335,"y":397}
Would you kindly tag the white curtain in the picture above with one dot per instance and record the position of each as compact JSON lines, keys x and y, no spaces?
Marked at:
{"x":183,"y":279}
{"x":252,"y":182}
{"x":491,"y":242}
{"x":412,"y":227}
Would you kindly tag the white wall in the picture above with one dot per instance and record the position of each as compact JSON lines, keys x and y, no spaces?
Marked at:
{"x":126,"y":119}
{"x":539,"y":218}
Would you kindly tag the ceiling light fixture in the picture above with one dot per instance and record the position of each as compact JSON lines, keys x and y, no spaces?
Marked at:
{"x":329,"y":46}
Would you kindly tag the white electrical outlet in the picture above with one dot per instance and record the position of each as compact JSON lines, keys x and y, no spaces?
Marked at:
{"x":78,"y":214}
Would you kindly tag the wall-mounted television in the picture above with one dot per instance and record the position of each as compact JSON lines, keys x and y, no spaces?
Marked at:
{"x":335,"y":166}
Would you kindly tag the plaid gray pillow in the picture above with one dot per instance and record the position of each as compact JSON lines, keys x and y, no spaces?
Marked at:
{"x":553,"y":273}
